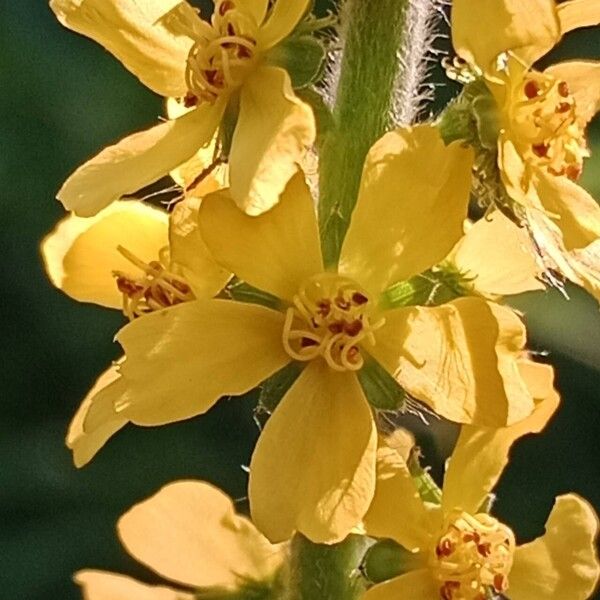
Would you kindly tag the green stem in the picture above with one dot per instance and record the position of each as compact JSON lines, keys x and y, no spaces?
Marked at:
{"x":322,"y":572}
{"x":373,"y":35}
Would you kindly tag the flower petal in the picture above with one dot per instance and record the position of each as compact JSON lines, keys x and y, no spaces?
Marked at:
{"x":274,"y":252}
{"x":578,"y":13}
{"x":178,"y":360}
{"x":101,"y":585}
{"x":139,"y":33}
{"x":190,"y":533}
{"x":459,"y":358}
{"x":273,"y":132}
{"x":96,"y":421}
{"x":563,"y":562}
{"x":282,"y":20}
{"x":394,"y":234}
{"x":583,"y":78}
{"x":414,"y":585}
{"x":189,"y":254}
{"x":468,"y":481}
{"x":80,"y":255}
{"x":414,"y":524}
{"x":498,"y":256}
{"x":313,"y":469}
{"x":483,"y":30}
{"x":257,"y":8}
{"x":138,"y":160}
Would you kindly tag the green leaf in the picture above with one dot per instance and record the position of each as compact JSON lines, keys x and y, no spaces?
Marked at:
{"x":303,"y":57}
{"x":380,"y":388}
{"x":387,"y":559}
{"x":275,"y":388}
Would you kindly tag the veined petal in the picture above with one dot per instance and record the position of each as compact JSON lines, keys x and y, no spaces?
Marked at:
{"x":138,"y":160}
{"x":274,"y":252}
{"x":413,"y":524}
{"x":140,"y":33}
{"x":586,"y":264}
{"x":578,"y":13}
{"x":498,"y":256}
{"x":313,"y":468}
{"x":459,"y":358}
{"x":563,"y":562}
{"x":273,"y":132}
{"x":468,"y":481}
{"x":411,"y":207}
{"x":101,"y":585}
{"x":483,"y":30}
{"x":414,"y":585}
{"x":179,"y":360}
{"x":583,"y":79}
{"x":80,"y":255}
{"x":190,"y":533}
{"x":189,"y":254}
{"x":96,"y":420}
{"x":282,"y":20}
{"x":572,"y":209}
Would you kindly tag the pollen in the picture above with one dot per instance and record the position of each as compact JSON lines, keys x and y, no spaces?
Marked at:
{"x":330,"y":317}
{"x":154,"y":289}
{"x":473,"y":558}
{"x":223,"y":54}
{"x":546,"y":127}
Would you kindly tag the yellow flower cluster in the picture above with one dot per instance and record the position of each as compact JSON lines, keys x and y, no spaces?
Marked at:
{"x":415,"y":299}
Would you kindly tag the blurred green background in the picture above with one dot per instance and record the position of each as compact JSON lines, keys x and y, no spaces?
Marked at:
{"x":62,"y":99}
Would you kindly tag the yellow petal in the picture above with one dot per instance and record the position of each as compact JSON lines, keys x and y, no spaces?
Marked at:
{"x":563,"y":562}
{"x":515,"y":173}
{"x":96,"y":421}
{"x":101,"y":585}
{"x":586,"y":263}
{"x":578,"y":13}
{"x":483,"y":30}
{"x":468,"y":481}
{"x":313,"y":469}
{"x":276,"y":251}
{"x":583,"y":78}
{"x":273,"y":132}
{"x":414,"y":585}
{"x":257,"y":8}
{"x":179,"y":360}
{"x":189,"y":254}
{"x":397,"y":510}
{"x":498,"y":256}
{"x":190,"y":533}
{"x":138,"y":160}
{"x":574,"y":211}
{"x":80,"y":255}
{"x":410,"y":210}
{"x":459,"y":358}
{"x":139,"y":33}
{"x":284,"y":17}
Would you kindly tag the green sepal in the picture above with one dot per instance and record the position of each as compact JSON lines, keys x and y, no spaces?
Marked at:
{"x":322,"y":113}
{"x":243,"y":292}
{"x":457,"y":122}
{"x":302,"y":56}
{"x":387,"y":559}
{"x":435,"y":287}
{"x":426,"y":486}
{"x":380,"y":388}
{"x":228,"y":125}
{"x":248,"y":590}
{"x":275,"y":387}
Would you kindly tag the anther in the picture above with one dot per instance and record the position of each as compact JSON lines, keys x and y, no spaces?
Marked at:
{"x":359,"y":299}
{"x":532,"y":89}
{"x":540,"y":150}
{"x":562,"y":107}
{"x":354,"y":328}
{"x":563,"y":89}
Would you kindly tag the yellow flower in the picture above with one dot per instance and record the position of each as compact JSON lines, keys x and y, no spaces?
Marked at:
{"x":313,"y":469}
{"x":539,"y":120}
{"x":134,"y":257}
{"x":212,"y":66}
{"x":460,"y":552}
{"x":190,"y":534}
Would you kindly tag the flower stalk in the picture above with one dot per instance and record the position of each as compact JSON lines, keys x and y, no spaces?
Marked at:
{"x":372,"y":32}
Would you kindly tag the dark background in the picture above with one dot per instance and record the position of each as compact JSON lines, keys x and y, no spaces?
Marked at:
{"x":63,"y":98}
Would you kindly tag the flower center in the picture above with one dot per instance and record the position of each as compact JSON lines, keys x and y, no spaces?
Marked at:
{"x":473,"y":558}
{"x":223,"y":54}
{"x":330,"y":318}
{"x":544,"y":121}
{"x":155,"y":289}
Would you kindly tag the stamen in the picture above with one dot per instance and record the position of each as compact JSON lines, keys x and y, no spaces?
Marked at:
{"x":330,"y":317}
